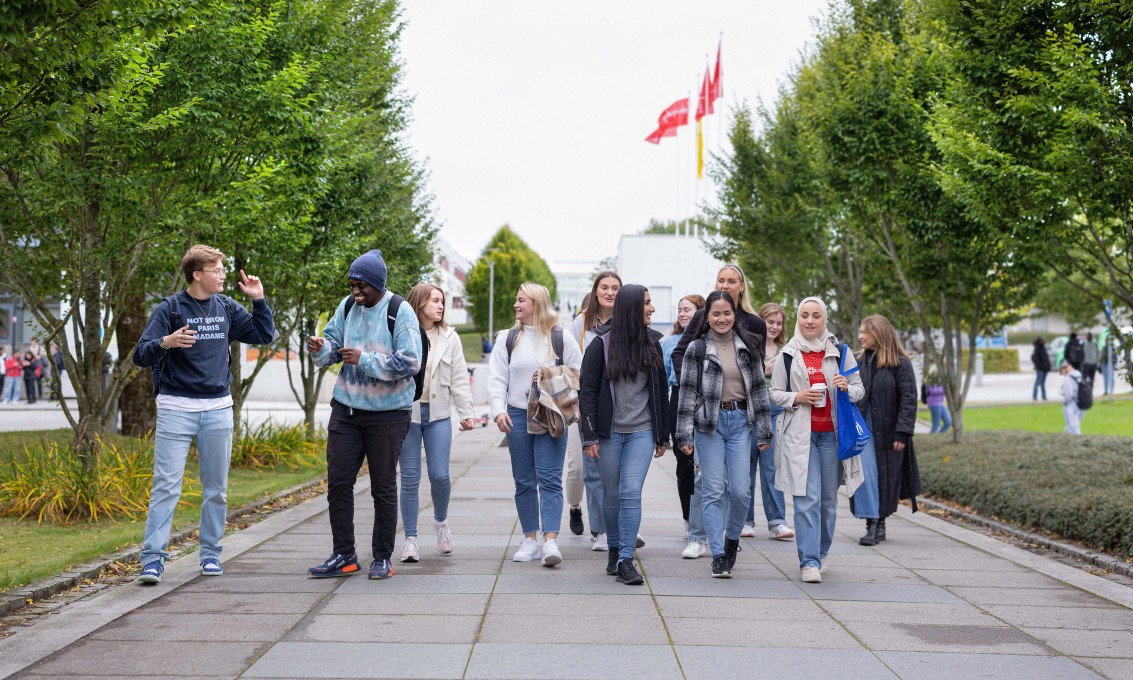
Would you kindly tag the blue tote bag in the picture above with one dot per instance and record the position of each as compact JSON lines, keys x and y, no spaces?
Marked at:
{"x":853,"y":433}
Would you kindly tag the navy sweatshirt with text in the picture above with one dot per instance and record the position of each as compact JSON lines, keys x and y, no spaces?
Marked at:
{"x":201,"y":371}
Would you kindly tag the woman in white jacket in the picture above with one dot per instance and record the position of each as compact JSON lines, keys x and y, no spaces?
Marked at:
{"x":536,"y":459}
{"x":806,"y":447}
{"x":446,"y":380}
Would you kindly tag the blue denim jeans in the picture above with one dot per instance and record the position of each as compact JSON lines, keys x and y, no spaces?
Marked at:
{"x":437,"y":437}
{"x":1040,"y":384}
{"x":696,"y":504}
{"x":725,"y":463}
{"x":595,"y":505}
{"x":537,"y":468}
{"x":624,"y":461}
{"x":175,"y":431}
{"x":763,"y":466}
{"x":817,"y":511}
{"x":11,"y":390}
{"x":942,"y":419}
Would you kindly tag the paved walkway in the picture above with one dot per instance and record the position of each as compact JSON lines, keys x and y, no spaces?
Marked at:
{"x":934,"y":601}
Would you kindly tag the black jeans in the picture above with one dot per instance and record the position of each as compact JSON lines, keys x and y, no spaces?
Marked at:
{"x":354,"y":436}
{"x":686,"y":469}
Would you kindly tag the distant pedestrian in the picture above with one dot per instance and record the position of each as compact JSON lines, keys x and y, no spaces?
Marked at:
{"x":3,"y":371}
{"x":186,"y":342}
{"x":536,"y":458}
{"x":14,"y":375}
{"x":57,"y":373}
{"x":934,"y":398}
{"x":1074,"y":353}
{"x":31,"y":371}
{"x":1040,"y":360}
{"x":1091,"y":357}
{"x":686,"y":470}
{"x":623,"y":405}
{"x":446,"y":384}
{"x":1071,"y":414}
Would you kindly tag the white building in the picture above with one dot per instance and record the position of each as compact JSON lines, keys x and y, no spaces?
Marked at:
{"x":671,"y":266}
{"x":573,"y":279}
{"x":452,"y":272}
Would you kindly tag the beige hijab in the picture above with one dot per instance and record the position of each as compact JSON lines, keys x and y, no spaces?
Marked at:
{"x":818,"y":343}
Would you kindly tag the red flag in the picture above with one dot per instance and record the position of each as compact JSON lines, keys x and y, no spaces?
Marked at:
{"x":704,"y":105}
{"x":669,"y":120}
{"x":717,"y":77}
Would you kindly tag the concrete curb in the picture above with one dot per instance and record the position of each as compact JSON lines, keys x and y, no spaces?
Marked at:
{"x":41,"y":590}
{"x":1069,"y":550}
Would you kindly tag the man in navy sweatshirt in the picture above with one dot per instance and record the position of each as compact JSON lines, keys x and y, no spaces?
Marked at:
{"x":185,"y":342}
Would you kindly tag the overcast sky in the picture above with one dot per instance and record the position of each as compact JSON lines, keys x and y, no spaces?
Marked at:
{"x":535,"y":113}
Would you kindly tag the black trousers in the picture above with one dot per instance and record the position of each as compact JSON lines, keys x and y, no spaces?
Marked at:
{"x":354,"y":436}
{"x":686,"y":469}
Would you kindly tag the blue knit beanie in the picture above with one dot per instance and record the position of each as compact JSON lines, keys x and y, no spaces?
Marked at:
{"x":370,"y":268}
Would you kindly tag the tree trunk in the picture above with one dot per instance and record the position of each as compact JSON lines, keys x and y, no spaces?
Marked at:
{"x":88,"y":387}
{"x":235,"y":362}
{"x":139,"y":410}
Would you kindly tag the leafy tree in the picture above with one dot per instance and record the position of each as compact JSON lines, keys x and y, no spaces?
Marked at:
{"x":693,"y":225}
{"x":515,"y":263}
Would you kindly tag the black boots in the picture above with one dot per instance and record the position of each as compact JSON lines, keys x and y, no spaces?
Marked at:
{"x":576,"y":521}
{"x":628,"y":574}
{"x":870,"y":537}
{"x":881,"y":530}
{"x":612,"y":563}
{"x":731,"y":547}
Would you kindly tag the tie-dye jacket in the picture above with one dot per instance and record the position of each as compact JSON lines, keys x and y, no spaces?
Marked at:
{"x":383,"y":378}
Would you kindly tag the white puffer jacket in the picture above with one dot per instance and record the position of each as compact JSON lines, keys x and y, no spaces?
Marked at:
{"x":449,"y":382}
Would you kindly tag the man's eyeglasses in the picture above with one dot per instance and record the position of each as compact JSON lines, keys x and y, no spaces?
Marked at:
{"x":219,"y":271}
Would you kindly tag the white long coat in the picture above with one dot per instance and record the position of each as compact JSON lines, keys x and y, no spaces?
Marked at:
{"x":449,"y":381}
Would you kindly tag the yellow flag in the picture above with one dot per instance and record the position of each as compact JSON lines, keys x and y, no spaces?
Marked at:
{"x":699,"y":150}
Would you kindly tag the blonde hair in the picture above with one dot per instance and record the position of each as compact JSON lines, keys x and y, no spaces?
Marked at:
{"x":196,"y":258}
{"x":419,"y":297}
{"x":770,"y":309}
{"x":545,"y":317}
{"x":888,"y":351}
{"x":743,"y":302}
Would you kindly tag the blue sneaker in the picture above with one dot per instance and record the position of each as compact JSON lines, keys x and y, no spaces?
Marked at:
{"x":336,"y":565}
{"x":151,"y":573}
{"x":210,"y":566}
{"x":381,"y":569}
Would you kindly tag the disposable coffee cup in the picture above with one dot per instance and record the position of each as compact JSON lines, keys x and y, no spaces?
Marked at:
{"x":821,"y":387}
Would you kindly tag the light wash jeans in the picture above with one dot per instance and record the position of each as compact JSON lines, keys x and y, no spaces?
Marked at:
{"x":816,"y":512}
{"x":12,"y":389}
{"x":595,"y":503}
{"x":725,"y":463}
{"x":763,"y":466}
{"x":537,"y":468}
{"x":624,"y":461}
{"x":1073,"y":417}
{"x":437,"y":437}
{"x":696,"y":505}
{"x":941,"y":418}
{"x":175,"y":431}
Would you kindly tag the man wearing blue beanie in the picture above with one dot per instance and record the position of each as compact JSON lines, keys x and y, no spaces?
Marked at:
{"x":370,"y":410}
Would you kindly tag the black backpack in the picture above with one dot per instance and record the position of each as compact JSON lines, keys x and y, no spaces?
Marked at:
{"x":1085,"y":393}
{"x":391,"y":319}
{"x":556,"y":343}
{"x":175,"y":320}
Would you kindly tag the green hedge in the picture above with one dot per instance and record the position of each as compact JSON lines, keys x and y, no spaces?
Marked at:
{"x":1079,"y":488}
{"x":996,"y":360}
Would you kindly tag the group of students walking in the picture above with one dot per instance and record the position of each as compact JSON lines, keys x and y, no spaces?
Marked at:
{"x":733,"y":397}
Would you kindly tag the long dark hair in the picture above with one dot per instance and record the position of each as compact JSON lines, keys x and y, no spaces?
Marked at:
{"x":752,"y":342}
{"x":590,"y":309}
{"x":630,"y":350}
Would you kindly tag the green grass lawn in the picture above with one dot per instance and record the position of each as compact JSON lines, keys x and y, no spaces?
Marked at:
{"x":1105,"y":418}
{"x":30,"y":551}
{"x":470,"y":342}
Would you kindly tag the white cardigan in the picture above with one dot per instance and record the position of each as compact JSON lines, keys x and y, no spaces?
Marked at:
{"x":509,"y":384}
{"x":448,"y":383}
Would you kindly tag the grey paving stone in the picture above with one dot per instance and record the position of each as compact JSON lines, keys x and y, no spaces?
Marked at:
{"x":706,"y":663}
{"x":280,"y":585}
{"x":452,"y":565}
{"x":458,"y":604}
{"x":419,"y":584}
{"x":607,"y":625}
{"x":118,"y":658}
{"x":387,"y":628}
{"x":1051,"y":597}
{"x":840,"y":573}
{"x":256,"y":565}
{"x":1020,"y":578}
{"x":1113,"y":643}
{"x":830,"y":589}
{"x":160,"y":626}
{"x":553,"y":605}
{"x":1092,"y":618}
{"x":703,"y":566}
{"x":740,"y":608}
{"x":756,"y":633}
{"x":572,"y":662}
{"x":360,"y":660}
{"x":944,"y":637}
{"x":951,"y":666}
{"x":553,"y":581}
{"x":706,"y":586}
{"x":180,"y":602}
{"x":1116,"y":669}
{"x":962,"y":614}
{"x":956,"y":561}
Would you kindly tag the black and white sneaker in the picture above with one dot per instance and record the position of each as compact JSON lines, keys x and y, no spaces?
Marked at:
{"x":720,"y":567}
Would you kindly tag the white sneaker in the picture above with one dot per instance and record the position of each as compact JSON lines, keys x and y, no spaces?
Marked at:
{"x":600,"y":544}
{"x":811,"y":575}
{"x":747,"y":532}
{"x":780,"y":532}
{"x":409,"y":551}
{"x":528,"y":552}
{"x":444,"y":538}
{"x":693,"y":550}
{"x":640,"y":541}
{"x":551,"y":554}
{"x":825,"y":563}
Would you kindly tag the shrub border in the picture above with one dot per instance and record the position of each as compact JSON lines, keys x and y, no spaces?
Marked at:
{"x":15,"y":600}
{"x":1093,"y":557}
